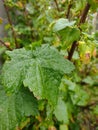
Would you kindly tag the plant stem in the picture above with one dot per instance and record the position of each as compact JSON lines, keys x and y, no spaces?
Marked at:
{"x":10,"y":22}
{"x":57,"y":5}
{"x":68,"y":11}
{"x":84,"y":13}
{"x":82,"y":20}
{"x":3,"y":43}
{"x":70,"y":54}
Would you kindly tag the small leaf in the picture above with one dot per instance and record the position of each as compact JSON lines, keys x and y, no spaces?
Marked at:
{"x":61,"y":24}
{"x":30,"y":8}
{"x":1,"y":20}
{"x":52,"y":128}
{"x":61,"y":111}
{"x":95,"y":110}
{"x":88,"y":80}
{"x":63,"y":127}
{"x":20,"y":4}
{"x":79,"y":97}
{"x":69,"y":35}
{"x":93,"y":4}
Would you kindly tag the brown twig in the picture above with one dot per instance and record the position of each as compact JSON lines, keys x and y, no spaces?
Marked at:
{"x":3,"y":43}
{"x":68,"y":11}
{"x":70,"y":54}
{"x":82,"y":20}
{"x":57,"y":5}
{"x":84,"y":13}
{"x":11,"y":24}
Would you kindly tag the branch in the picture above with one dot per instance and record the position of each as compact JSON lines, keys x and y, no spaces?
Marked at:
{"x":70,"y":54}
{"x":84,"y":13}
{"x":10,"y":22}
{"x":68,"y":11}
{"x":3,"y":43}
{"x":57,"y":5}
{"x":82,"y":20}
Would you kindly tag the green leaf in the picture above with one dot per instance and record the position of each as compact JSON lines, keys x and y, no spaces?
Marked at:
{"x":93,"y":4}
{"x":40,"y":70}
{"x":95,"y":110}
{"x":43,"y":83}
{"x":30,"y":8}
{"x":14,"y":108}
{"x":79,"y":97}
{"x":50,"y":58}
{"x":61,"y":111}
{"x":61,"y":24}
{"x":69,"y":35}
{"x":63,"y":127}
{"x":88,"y":80}
{"x":14,"y":71}
{"x":2,"y":50}
{"x":1,"y":20}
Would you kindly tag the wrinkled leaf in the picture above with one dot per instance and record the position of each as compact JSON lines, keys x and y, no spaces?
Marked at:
{"x":15,"y":107}
{"x":43,"y":83}
{"x":41,"y":70}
